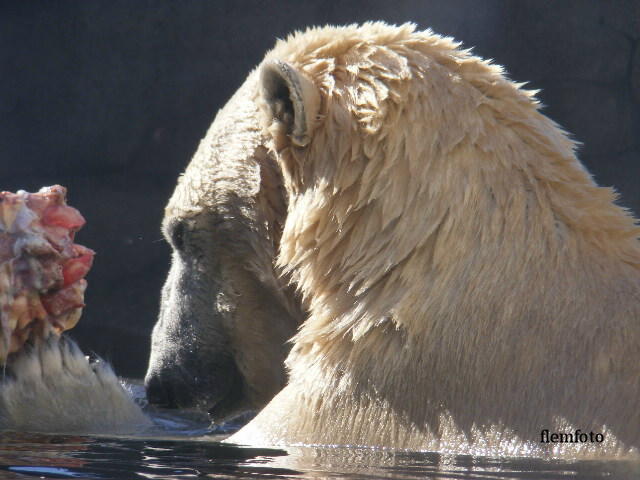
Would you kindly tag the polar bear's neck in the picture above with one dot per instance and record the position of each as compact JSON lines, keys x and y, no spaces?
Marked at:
{"x":502,"y":301}
{"x":447,"y":181}
{"x":458,"y":262}
{"x":491,"y":288}
{"x":432,"y":235}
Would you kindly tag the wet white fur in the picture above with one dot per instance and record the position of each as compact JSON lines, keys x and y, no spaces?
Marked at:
{"x":468,"y":283}
{"x":54,"y":388}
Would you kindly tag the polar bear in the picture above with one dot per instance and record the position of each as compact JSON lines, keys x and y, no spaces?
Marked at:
{"x":464,"y":285}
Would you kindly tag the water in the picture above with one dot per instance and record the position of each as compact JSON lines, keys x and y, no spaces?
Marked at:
{"x":57,"y":456}
{"x":184,"y":446}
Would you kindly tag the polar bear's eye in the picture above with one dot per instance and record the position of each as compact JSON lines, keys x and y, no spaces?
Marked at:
{"x":175,"y":235}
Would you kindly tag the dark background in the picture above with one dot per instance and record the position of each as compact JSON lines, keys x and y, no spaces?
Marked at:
{"x":110,"y":99}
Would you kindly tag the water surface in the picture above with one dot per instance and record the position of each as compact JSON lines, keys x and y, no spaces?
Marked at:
{"x":184,"y":446}
{"x":63,"y":456}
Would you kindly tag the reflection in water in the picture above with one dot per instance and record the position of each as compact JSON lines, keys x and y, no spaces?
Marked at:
{"x":371,"y":463}
{"x":55,"y":456}
{"x":183,"y":445}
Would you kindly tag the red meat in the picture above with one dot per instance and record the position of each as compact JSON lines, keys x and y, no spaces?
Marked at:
{"x":41,"y":269}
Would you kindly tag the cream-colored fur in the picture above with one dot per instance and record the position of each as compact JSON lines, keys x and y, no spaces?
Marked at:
{"x":53,"y":388}
{"x":468,"y":284}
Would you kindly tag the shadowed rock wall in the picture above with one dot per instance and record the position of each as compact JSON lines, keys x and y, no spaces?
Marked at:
{"x":111,"y":98}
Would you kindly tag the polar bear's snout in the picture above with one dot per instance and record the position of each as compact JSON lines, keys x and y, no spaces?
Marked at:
{"x":174,"y":387}
{"x":191,"y":365}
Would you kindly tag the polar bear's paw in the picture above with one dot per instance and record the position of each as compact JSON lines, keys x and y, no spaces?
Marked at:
{"x":53,"y":387}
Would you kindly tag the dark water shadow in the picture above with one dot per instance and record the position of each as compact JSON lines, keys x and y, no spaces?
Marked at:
{"x":26,"y":456}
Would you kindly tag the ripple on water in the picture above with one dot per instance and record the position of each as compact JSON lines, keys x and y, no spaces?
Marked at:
{"x":24,"y":455}
{"x":184,"y":445}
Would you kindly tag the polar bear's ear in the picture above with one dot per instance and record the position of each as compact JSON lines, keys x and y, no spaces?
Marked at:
{"x":291,"y":98}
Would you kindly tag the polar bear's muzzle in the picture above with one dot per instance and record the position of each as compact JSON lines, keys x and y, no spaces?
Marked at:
{"x":218,"y":393}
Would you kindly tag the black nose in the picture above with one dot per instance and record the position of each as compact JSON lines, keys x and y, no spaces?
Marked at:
{"x":160,"y":392}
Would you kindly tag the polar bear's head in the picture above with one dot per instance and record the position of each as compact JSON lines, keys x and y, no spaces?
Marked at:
{"x":249,"y":217}
{"x":226,"y":311}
